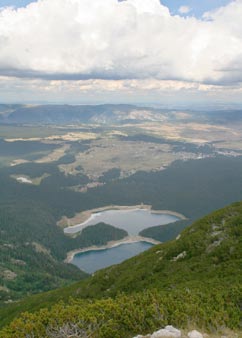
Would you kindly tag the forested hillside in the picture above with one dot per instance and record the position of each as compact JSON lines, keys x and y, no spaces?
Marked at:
{"x":212,"y":181}
{"x":31,"y":241}
{"x":33,"y":249}
{"x":194,"y":281}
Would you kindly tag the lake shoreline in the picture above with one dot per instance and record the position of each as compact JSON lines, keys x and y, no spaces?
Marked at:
{"x":109,"y":245}
{"x":84,"y":216}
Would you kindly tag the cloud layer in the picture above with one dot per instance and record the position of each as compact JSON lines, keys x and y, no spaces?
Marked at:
{"x":111,"y":39}
{"x":184,"y":9}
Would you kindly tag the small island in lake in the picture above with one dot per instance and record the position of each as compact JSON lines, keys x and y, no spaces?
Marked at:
{"x":130,"y":219}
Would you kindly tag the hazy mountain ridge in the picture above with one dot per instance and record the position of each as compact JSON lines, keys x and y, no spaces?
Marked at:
{"x":109,"y":113}
{"x":61,"y":114}
{"x":6,"y":109}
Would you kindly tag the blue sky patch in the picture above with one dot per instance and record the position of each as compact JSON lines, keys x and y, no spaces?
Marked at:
{"x":194,"y":7}
{"x":15,"y":3}
{"x":197,"y":8}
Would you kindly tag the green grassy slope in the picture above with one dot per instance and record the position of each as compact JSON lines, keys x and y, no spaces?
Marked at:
{"x":194,"y":279}
{"x":208,"y":252}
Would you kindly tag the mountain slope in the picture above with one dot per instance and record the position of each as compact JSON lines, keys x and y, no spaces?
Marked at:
{"x":207,"y":252}
{"x":112,"y":113}
{"x":62,"y":114}
{"x":195,"y":279}
{"x":32,"y":249}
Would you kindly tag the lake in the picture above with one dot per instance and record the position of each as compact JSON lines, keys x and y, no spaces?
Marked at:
{"x":131,"y":220}
{"x":91,"y":261}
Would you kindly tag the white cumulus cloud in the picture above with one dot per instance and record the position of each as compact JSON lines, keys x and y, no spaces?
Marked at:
{"x":184,"y":9}
{"x":111,"y":39}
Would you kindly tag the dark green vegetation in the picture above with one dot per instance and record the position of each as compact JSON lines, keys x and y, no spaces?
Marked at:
{"x":29,"y":213}
{"x":18,"y":131}
{"x":33,"y":249}
{"x":31,"y":150}
{"x":100,"y":234}
{"x":192,"y":281}
{"x":193,"y":188}
{"x":167,"y":232}
{"x":110,"y":175}
{"x":214,"y":182}
{"x":23,"y":148}
{"x":177,"y":145}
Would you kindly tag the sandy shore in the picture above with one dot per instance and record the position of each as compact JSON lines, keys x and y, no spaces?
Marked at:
{"x":169,"y":212}
{"x":82,"y":217}
{"x":109,"y":245}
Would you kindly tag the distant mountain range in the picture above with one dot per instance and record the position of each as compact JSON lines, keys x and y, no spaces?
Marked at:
{"x":69,"y":114}
{"x":107,"y":114}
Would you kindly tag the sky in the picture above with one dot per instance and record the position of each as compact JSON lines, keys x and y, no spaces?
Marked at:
{"x":92,"y":51}
{"x":193,"y":7}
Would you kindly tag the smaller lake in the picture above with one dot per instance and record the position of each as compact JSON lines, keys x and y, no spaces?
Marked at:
{"x":94,"y":260}
{"x":133,"y":221}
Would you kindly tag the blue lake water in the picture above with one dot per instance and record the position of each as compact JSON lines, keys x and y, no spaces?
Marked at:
{"x":94,"y":260}
{"x":133,"y":221}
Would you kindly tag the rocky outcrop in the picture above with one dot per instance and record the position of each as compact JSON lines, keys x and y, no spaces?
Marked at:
{"x":195,"y":334}
{"x":171,"y":332}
